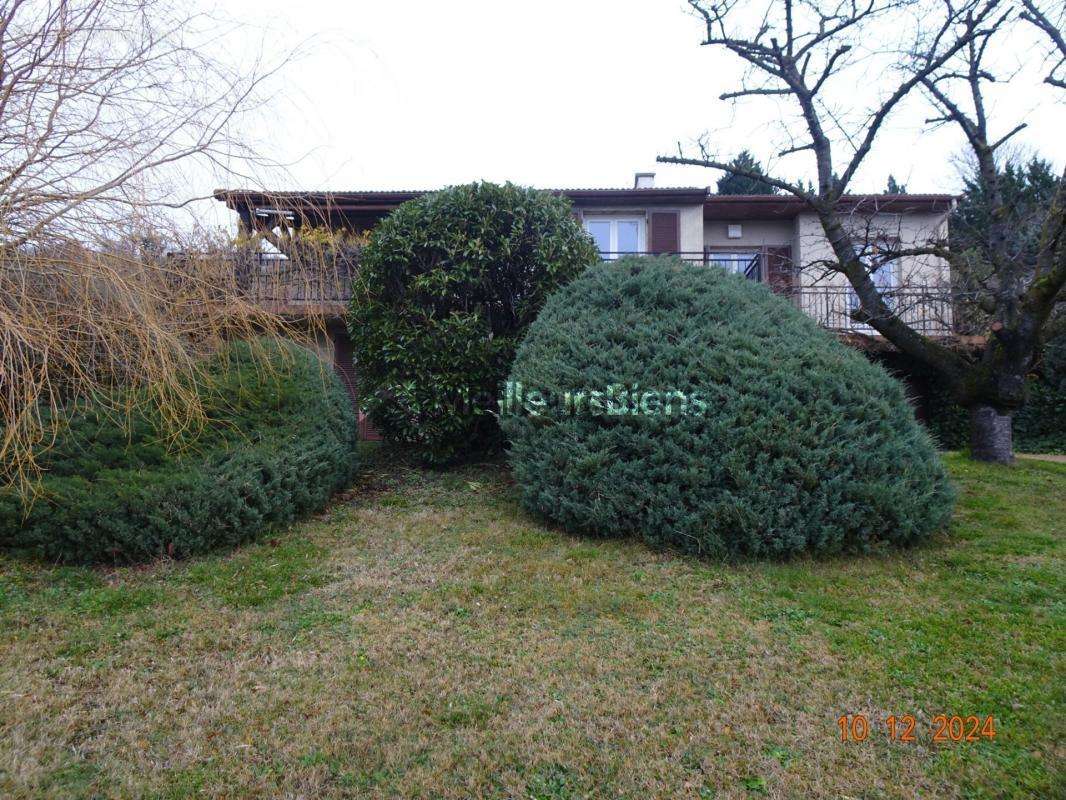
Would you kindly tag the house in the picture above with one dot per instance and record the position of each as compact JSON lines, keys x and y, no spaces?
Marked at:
{"x":773,"y":239}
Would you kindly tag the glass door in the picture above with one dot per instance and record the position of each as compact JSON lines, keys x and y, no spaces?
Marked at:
{"x":740,"y":263}
{"x":616,"y":236}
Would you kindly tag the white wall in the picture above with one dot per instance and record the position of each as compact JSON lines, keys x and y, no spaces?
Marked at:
{"x":908,"y":229}
{"x":755,"y":233}
{"x":692,"y":231}
{"x":929,"y":311}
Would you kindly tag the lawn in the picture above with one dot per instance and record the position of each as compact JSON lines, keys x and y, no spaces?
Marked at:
{"x":428,"y":639}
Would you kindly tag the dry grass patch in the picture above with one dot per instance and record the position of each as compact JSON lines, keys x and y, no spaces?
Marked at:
{"x":430,"y":640}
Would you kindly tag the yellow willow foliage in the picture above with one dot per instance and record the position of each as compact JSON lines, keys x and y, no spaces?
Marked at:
{"x":78,"y":324}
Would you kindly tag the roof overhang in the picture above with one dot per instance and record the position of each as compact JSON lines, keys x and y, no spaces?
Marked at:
{"x":387,"y":200}
{"x":771,"y":207}
{"x":718,"y":207}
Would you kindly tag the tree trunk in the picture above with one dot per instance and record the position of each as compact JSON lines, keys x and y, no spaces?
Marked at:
{"x":990,"y":435}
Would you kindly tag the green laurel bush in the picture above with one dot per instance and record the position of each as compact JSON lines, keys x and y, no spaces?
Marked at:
{"x":280,"y":439}
{"x":789,"y":441}
{"x":447,"y":286}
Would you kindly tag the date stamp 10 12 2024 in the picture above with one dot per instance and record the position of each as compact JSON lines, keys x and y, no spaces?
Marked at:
{"x":943,"y":728}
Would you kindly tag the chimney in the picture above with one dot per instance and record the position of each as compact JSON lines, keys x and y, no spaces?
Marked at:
{"x":644,"y":180}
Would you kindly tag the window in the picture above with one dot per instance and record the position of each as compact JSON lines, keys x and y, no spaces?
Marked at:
{"x":886,"y":279}
{"x":733,"y":262}
{"x":616,"y":236}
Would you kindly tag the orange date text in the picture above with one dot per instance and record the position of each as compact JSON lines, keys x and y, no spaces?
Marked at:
{"x":905,"y":728}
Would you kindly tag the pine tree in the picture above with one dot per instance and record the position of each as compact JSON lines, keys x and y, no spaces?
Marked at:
{"x":895,"y":188}
{"x":732,"y":183}
{"x":1028,"y":190}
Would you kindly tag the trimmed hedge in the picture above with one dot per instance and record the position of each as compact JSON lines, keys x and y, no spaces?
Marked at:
{"x":280,"y":442}
{"x":448,"y":284}
{"x":698,"y":410}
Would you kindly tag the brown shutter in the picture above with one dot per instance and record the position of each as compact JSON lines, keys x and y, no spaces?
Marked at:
{"x":345,"y":369}
{"x":665,"y":232}
{"x":342,"y":357}
{"x":779,"y":272}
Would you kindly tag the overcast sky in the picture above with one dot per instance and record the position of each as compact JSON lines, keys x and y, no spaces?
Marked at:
{"x":554,"y":93}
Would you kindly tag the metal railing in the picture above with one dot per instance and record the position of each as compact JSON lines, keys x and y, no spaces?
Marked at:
{"x":273,"y":279}
{"x":750,"y":269}
{"x":691,"y":256}
{"x":925,"y":309}
{"x":753,"y":271}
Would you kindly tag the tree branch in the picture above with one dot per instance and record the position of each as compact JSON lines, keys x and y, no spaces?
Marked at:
{"x":744,"y":173}
{"x":1035,"y":16}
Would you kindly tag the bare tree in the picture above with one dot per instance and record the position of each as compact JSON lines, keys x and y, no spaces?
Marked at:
{"x":103,"y":103}
{"x":102,"y":100}
{"x":1051,"y":25}
{"x":807,"y":53}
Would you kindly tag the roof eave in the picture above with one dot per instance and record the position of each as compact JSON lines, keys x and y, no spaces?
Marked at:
{"x":715,"y":206}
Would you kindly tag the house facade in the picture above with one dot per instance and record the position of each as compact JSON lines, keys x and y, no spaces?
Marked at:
{"x":773,"y":239}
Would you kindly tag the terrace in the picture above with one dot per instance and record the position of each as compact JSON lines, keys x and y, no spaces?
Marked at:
{"x":289,"y":286}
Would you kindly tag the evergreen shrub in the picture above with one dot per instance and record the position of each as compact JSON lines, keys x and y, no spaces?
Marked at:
{"x":280,"y":439}
{"x":447,"y":286}
{"x":1038,"y":427}
{"x":698,"y":410}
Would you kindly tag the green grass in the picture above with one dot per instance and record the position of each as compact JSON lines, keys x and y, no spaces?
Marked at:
{"x":429,"y":640}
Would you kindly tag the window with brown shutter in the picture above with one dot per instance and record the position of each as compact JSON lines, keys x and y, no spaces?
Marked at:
{"x":665,"y":232}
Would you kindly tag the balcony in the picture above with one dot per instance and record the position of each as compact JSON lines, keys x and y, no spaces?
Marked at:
{"x":294,"y":286}
{"x":926,"y":309}
{"x":287,"y":286}
{"x":750,"y":266}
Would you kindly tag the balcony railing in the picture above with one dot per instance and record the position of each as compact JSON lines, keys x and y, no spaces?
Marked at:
{"x":925,"y":309}
{"x":692,"y":257}
{"x":750,"y":268}
{"x":274,"y":280}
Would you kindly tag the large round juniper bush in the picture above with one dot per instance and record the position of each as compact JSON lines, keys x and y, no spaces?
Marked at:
{"x":448,"y":284}
{"x":280,"y":439}
{"x":697,"y":409}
